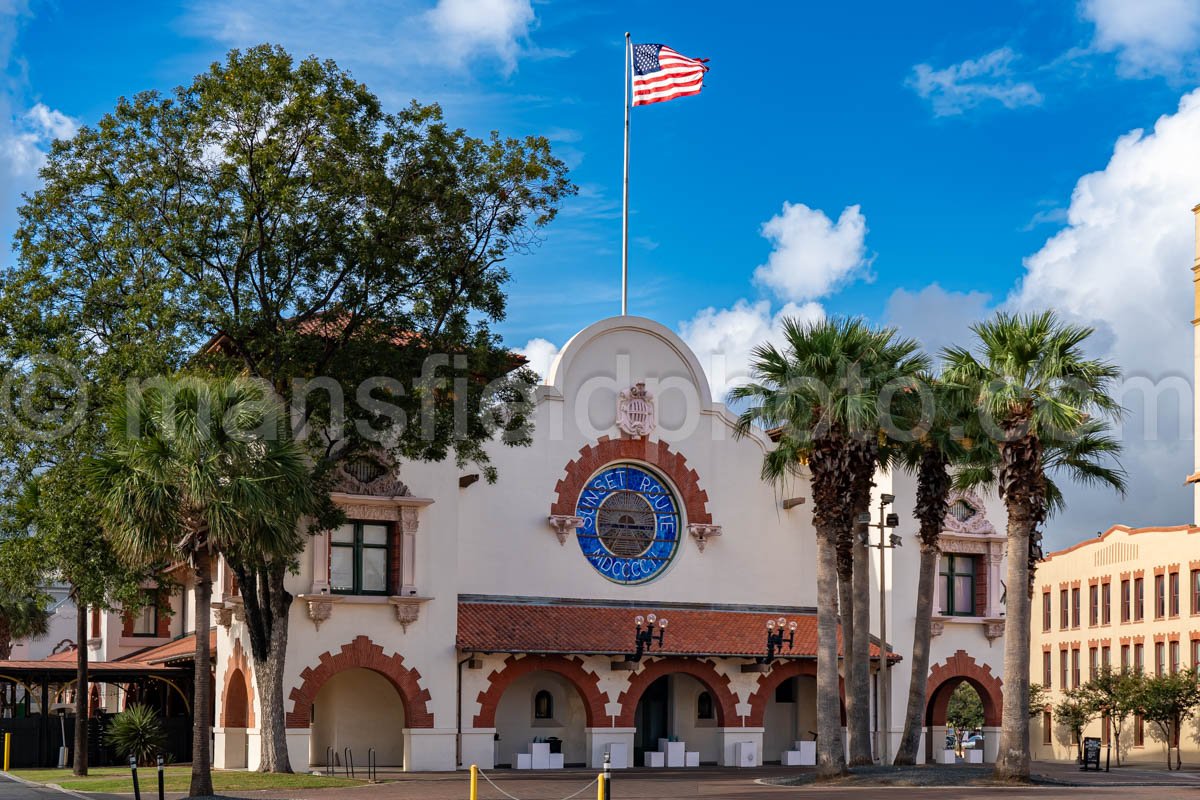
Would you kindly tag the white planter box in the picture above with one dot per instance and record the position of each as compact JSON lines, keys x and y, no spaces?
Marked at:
{"x":541,"y":755}
{"x":974,"y":756}
{"x":653,"y":758}
{"x":674,"y":751}
{"x":618,"y":755}
{"x":790,"y":758}
{"x":745,"y":754}
{"x":808,"y":753}
{"x":691,"y":759}
{"x":523,"y":761}
{"x":948,"y":757}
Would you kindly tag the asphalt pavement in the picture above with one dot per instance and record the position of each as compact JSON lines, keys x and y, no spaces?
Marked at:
{"x":12,"y":790}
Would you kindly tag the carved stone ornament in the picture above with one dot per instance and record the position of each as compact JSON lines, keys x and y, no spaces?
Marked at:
{"x":702,"y":533}
{"x":936,"y":627}
{"x":993,"y":629}
{"x":320,"y":607}
{"x":563,"y":524}
{"x":966,"y":514}
{"x":222,"y":614}
{"x":238,"y":608}
{"x":408,"y":609}
{"x":372,"y":474}
{"x":635,"y":411}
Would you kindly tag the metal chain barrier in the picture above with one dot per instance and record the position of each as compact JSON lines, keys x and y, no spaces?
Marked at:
{"x":488,"y":778}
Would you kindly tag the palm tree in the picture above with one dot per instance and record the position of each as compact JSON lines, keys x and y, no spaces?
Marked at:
{"x":1045,"y":405}
{"x":937,"y":447}
{"x":21,"y":617}
{"x":820,"y":394}
{"x":194,"y":467}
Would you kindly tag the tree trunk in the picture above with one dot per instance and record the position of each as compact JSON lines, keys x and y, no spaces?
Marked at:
{"x":914,"y":720}
{"x":848,"y":655}
{"x":268,"y":673}
{"x":1012,"y":762}
{"x":80,"y":762}
{"x":859,"y":669}
{"x":6,"y":638}
{"x":831,"y":755}
{"x":201,"y":785}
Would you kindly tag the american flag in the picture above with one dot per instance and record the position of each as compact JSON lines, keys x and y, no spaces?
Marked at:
{"x":659,"y":73}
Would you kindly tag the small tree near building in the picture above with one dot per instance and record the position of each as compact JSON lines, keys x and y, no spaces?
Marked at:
{"x":1073,"y":713}
{"x":1170,"y":700}
{"x":1115,"y":693}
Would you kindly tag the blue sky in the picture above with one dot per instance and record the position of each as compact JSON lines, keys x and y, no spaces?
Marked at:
{"x":919,"y":163}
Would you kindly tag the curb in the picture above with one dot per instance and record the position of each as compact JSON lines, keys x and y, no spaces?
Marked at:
{"x":53,"y":786}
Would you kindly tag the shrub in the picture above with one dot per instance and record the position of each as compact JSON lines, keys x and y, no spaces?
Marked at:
{"x":138,"y":732}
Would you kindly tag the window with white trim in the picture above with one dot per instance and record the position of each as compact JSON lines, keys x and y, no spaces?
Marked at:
{"x":359,"y":555}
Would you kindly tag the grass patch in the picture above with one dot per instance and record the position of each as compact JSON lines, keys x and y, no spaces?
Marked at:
{"x":176,"y":779}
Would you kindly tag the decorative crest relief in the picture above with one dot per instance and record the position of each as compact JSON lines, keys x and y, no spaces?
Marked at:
{"x":635,"y":411}
{"x":371,"y":474}
{"x":966,"y":514}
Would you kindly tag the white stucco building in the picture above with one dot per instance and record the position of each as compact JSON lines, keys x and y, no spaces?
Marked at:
{"x":454,"y":621}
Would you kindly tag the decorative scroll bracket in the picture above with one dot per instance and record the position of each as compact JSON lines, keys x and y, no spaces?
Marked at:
{"x":223,"y":614}
{"x":993,"y":629}
{"x":563,"y":524}
{"x":408,"y":609}
{"x":320,"y":606}
{"x":703,"y":533}
{"x":936,"y":627}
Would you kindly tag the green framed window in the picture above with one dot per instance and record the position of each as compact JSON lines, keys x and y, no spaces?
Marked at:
{"x":957,"y":579}
{"x":359,"y":554}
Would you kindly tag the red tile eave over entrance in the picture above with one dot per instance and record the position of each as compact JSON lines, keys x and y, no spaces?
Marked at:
{"x":607,"y":630}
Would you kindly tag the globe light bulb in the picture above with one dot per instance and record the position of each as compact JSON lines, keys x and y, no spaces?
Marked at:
{"x":792,"y":625}
{"x":638,"y":620}
{"x":770,"y":624}
{"x":662,"y":623}
{"x":782,"y":622}
{"x":651,"y":618}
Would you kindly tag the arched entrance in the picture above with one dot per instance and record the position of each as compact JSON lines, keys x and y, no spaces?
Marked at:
{"x":943,"y":680}
{"x":686,"y":699}
{"x":785,"y":706}
{"x":235,"y":710}
{"x":358,"y":709}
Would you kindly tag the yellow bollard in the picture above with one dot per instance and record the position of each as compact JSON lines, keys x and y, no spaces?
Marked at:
{"x":474,"y":782}
{"x":7,"y":749}
{"x":600,"y":786}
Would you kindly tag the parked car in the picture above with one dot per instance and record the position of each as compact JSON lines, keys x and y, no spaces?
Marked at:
{"x":974,"y":741}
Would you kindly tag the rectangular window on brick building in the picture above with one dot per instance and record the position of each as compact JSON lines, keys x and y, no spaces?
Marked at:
{"x":1174,"y":596}
{"x":1075,"y":668}
{"x":1046,"y":611}
{"x":1105,"y":603}
{"x":958,"y":585}
{"x":1064,"y":611}
{"x":1160,"y":657}
{"x":1196,"y":591}
{"x":1139,"y":597}
{"x":1174,"y":653}
{"x":1094,"y":605}
{"x":1063,"y":671}
{"x":1046,"y":669}
{"x":1125,"y":600}
{"x":1047,"y":731}
{"x":1093,"y":663}
{"x":1106,"y":657}
{"x":1139,"y":657}
{"x":1196,"y":654}
{"x":1139,"y":731}
{"x":1125,"y":657}
{"x":1160,"y":596}
{"x":359,"y":557}
{"x":1075,"y":593}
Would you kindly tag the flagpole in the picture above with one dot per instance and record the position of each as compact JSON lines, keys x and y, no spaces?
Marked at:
{"x":625,"y":190}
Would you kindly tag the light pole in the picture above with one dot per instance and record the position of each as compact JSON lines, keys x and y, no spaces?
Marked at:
{"x":887,"y":521}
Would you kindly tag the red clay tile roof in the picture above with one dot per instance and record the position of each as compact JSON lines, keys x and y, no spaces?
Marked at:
{"x":65,"y":655}
{"x":182,"y":649}
{"x":579,"y":629}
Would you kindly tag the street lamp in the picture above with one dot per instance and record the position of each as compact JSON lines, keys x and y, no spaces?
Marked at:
{"x":645,"y":637}
{"x":887,"y":521}
{"x":775,"y":640}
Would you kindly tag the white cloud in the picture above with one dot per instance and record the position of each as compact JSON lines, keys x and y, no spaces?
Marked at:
{"x":540,"y":353}
{"x":469,"y":27}
{"x":935,"y":317}
{"x":812,"y":255}
{"x":970,"y":83}
{"x":25,"y":139}
{"x":1150,"y":37}
{"x":723,"y":338}
{"x":1121,"y":265}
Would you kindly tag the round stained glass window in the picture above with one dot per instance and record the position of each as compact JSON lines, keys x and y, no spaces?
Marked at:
{"x":630,"y":523}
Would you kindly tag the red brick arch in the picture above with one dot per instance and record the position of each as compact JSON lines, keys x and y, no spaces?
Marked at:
{"x":363,"y":653}
{"x":943,"y":679}
{"x":237,"y":702}
{"x":586,"y":683}
{"x":703,"y":671}
{"x":767,"y":684}
{"x":657,"y":454}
